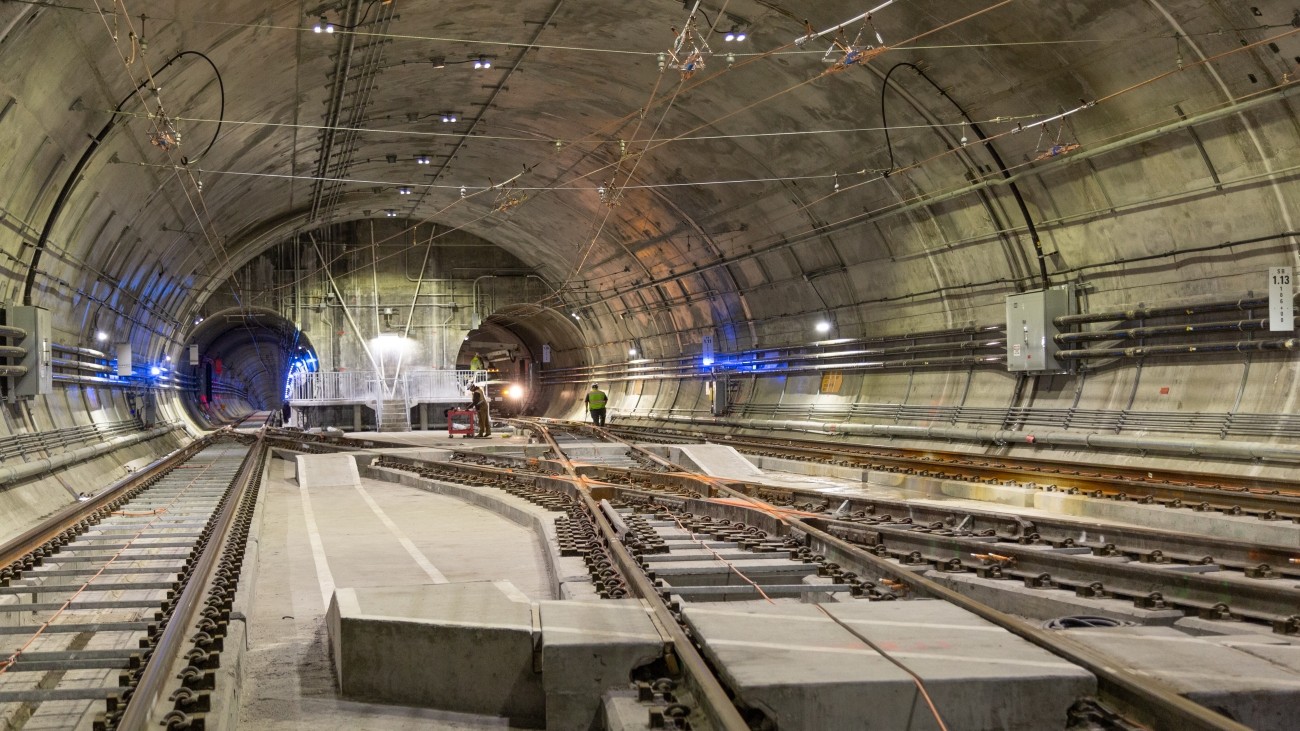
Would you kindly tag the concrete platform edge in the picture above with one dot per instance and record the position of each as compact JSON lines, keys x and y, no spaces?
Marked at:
{"x":228,"y":698}
{"x":504,"y":505}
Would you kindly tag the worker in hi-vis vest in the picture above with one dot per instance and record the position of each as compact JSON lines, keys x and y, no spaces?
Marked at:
{"x":476,"y":363}
{"x":595,"y":404}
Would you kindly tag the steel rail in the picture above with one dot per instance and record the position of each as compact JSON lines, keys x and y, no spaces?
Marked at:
{"x":867,"y":511}
{"x":1050,"y":528}
{"x":56,"y":524}
{"x":1252,"y":492}
{"x":1266,"y":600}
{"x":706,"y":685}
{"x":1142,"y":695}
{"x":139,"y":710}
{"x":1258,"y":598}
{"x":606,"y":435}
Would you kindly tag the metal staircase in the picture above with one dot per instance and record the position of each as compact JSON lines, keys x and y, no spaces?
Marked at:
{"x":394,"y":415}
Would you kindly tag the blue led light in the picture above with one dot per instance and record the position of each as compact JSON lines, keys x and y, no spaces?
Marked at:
{"x":305,"y":363}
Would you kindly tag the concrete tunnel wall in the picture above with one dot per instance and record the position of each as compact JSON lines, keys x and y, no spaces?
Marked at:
{"x":1172,"y":168}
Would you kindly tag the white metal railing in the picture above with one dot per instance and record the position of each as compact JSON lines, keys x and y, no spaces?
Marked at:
{"x":440,"y":386}
{"x":344,"y":387}
{"x":366,"y":387}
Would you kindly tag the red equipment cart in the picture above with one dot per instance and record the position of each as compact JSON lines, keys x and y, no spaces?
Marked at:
{"x":460,"y":421}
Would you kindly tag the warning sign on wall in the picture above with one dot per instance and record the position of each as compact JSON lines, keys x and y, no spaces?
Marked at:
{"x":832,"y":382}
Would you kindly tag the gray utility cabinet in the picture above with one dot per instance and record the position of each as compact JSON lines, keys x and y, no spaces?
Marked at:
{"x":1031,"y":347}
{"x":38,"y":359}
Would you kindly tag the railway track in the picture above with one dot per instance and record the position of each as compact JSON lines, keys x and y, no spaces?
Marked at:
{"x":114,"y":604}
{"x":653,"y":524}
{"x":1198,"y":573}
{"x":1264,"y":498}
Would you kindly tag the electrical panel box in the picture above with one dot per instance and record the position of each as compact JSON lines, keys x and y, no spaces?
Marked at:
{"x":125,"y":369}
{"x":39,"y":378}
{"x":1031,"y":332}
{"x":717,"y":390}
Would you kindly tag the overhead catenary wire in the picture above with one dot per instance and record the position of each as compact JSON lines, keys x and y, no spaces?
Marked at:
{"x":594,"y":134}
{"x":902,"y":204}
{"x":263,"y":26}
{"x":918,"y":198}
{"x":33,"y":268}
{"x":864,"y":181}
{"x":549,"y":141}
{"x":157,"y":122}
{"x":810,"y":80}
{"x":203,"y":219}
{"x":680,"y":89}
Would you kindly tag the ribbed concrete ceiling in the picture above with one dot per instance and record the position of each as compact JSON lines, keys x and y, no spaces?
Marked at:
{"x":721,"y":184}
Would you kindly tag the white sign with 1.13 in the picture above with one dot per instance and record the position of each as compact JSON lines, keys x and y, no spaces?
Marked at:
{"x":1281,"y":313}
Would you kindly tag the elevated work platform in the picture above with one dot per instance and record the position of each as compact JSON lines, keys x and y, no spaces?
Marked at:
{"x":370,"y":387}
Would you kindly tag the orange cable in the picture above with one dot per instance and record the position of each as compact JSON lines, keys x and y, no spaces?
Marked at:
{"x":773,"y":510}
{"x":920,"y":684}
{"x":719,"y":557}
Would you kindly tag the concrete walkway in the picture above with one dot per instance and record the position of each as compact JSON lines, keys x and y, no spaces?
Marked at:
{"x":380,"y":534}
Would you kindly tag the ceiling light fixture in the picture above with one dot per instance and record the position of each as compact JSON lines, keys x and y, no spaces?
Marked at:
{"x":823,"y":327}
{"x":735,"y":35}
{"x":422,"y":160}
{"x":101,"y":336}
{"x":403,"y":191}
{"x":323,"y":26}
{"x":463,"y":191}
{"x":439,"y":62}
{"x":448,"y":118}
{"x":390,"y":213}
{"x":482,"y":63}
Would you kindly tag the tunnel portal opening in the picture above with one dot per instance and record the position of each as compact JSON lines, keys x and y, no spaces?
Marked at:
{"x":245,"y":358}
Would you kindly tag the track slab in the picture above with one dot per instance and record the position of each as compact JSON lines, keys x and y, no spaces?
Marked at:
{"x":807,"y":669}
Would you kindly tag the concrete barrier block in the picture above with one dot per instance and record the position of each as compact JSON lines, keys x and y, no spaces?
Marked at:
{"x":464,"y":647}
{"x":327,"y":470}
{"x":589,"y":648}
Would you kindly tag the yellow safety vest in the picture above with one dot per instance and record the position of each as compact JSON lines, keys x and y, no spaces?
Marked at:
{"x":596,"y":399}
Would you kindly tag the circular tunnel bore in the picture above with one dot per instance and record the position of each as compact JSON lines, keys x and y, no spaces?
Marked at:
{"x":513,"y":343}
{"x":244,"y":358}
